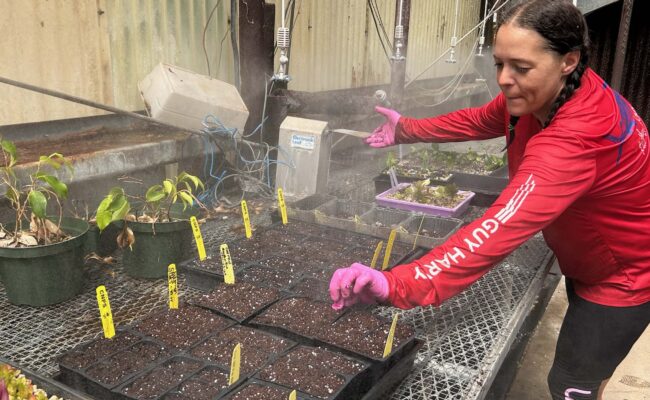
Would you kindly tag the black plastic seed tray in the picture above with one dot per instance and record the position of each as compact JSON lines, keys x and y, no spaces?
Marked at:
{"x":486,"y":188}
{"x":269,"y":277}
{"x":168,"y":373}
{"x":211,"y":382}
{"x":339,"y":377}
{"x":118,"y":368}
{"x":303,"y":209}
{"x":265,"y":390}
{"x":428,"y":231}
{"x":341,"y":214}
{"x":239,"y":302}
{"x":50,"y":386}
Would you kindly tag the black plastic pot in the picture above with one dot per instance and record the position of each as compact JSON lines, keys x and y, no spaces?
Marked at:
{"x":159,"y":244}
{"x":49,"y":274}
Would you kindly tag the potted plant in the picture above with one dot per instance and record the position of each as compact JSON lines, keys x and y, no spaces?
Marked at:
{"x":41,"y":256}
{"x":443,"y":200}
{"x":158,"y":233}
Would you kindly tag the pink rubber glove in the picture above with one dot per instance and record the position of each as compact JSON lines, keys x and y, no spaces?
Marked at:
{"x":355,"y":284}
{"x":384,"y":135}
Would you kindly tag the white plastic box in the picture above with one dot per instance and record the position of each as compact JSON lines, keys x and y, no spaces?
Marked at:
{"x":184,"y":98}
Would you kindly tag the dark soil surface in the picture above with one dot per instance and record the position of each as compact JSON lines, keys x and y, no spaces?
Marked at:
{"x":317,"y":289}
{"x":238,"y":301}
{"x":270,"y":277}
{"x":280,"y":235}
{"x":159,"y":380}
{"x":324,"y":272}
{"x":285,"y":265}
{"x":363,"y":333}
{"x":116,"y":368}
{"x":319,"y":373}
{"x":256,"y":347}
{"x":300,"y":315}
{"x":205,"y":385}
{"x":321,"y":245}
{"x":258,"y":391}
{"x":85,"y":355}
{"x":182,"y":327}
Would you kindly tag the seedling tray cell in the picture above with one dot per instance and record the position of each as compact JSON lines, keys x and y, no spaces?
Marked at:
{"x":255,"y":389}
{"x":303,"y":209}
{"x":257,"y":348}
{"x":427,"y":231}
{"x":380,"y":221}
{"x":207,"y":274}
{"x":318,"y":372}
{"x":297,"y":318}
{"x":50,"y":386}
{"x":209,"y":383}
{"x":240,"y":301}
{"x":183,"y":327}
{"x":157,"y":381}
{"x":317,"y":289}
{"x":266,"y":277}
{"x":383,"y":200}
{"x":487,"y":188}
{"x":102,"y":377}
{"x":341,"y":214}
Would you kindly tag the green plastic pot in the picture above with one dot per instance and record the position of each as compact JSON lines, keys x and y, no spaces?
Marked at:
{"x":49,"y":274}
{"x":158,"y":245}
{"x":103,"y":244}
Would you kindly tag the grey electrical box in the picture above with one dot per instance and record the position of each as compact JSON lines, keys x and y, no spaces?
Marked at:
{"x":303,"y":157}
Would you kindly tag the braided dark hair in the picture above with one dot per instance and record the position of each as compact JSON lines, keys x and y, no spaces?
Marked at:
{"x":564,"y":30}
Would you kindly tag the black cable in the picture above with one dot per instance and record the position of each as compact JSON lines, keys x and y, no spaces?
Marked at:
{"x":205,"y":28}
{"x":372,"y":11}
{"x":381,"y":24}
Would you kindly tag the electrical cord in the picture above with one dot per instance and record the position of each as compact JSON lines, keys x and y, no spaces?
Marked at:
{"x":205,"y":28}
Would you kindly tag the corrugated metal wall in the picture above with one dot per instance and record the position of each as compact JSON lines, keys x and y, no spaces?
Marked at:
{"x":335,"y":44}
{"x":100,"y":49}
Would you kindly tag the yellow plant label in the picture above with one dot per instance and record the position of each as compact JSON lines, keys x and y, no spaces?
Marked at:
{"x":226,"y":263}
{"x":391,"y":334}
{"x":247,"y":219}
{"x":375,"y":256}
{"x":173,"y":286}
{"x":198,"y":238}
{"x":389,"y":248}
{"x":357,"y":219}
{"x":105,"y":312}
{"x":283,"y":206}
{"x":293,"y":395}
{"x":234,"y":365}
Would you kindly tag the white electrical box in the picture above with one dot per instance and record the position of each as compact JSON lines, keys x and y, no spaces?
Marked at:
{"x":184,"y":98}
{"x":303,"y":157}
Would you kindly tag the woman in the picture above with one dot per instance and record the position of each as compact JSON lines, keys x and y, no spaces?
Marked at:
{"x":580,"y":173}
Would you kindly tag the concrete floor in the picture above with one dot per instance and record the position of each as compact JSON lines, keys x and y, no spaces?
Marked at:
{"x":631,"y":381}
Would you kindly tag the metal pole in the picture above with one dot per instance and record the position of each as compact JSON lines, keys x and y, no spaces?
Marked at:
{"x":400,"y":45}
{"x":621,"y":44}
{"x":90,"y":103}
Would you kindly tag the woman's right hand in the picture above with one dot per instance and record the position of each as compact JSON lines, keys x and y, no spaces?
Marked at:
{"x":384,"y":135}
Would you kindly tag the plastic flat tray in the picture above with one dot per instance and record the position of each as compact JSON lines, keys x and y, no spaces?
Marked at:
{"x":383,"y":200}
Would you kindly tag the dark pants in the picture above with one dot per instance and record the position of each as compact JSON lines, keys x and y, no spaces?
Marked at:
{"x":593,"y":340}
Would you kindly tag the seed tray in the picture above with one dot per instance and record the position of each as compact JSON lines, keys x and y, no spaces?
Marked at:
{"x":380,"y":221}
{"x":341,"y":214}
{"x":166,"y":371}
{"x":267,"y":277}
{"x":209,"y":383}
{"x":382,"y":199}
{"x":248,"y":389}
{"x":433,"y":231}
{"x":382,"y":181}
{"x":354,"y":382}
{"x":303,"y":209}
{"x":486,"y":188}
{"x":213,"y":349}
{"x":224,"y":298}
{"x":84,"y":379}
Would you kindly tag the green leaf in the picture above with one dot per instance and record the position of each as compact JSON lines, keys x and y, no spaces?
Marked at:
{"x":47,"y":160}
{"x":37,"y":202}
{"x":103,"y":219}
{"x":168,"y":185}
{"x":184,"y":176}
{"x":187,"y":198}
{"x":10,"y":148}
{"x":120,"y":210}
{"x":60,"y":188}
{"x":154,"y":194}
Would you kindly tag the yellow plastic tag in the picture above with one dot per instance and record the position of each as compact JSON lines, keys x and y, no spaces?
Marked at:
{"x":283,"y":207}
{"x":293,"y":395}
{"x":247,"y":219}
{"x":173,"y":286}
{"x":198,"y":238}
{"x":105,"y":312}
{"x":357,"y":219}
{"x":375,"y":256}
{"x":234,"y":365}
{"x":391,"y":334}
{"x":389,"y":248}
{"x":226,"y":263}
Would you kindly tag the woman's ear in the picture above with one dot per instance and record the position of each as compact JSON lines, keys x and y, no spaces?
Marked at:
{"x":570,"y":61}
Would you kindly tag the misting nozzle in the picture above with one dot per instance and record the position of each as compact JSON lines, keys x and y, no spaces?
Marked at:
{"x":382,"y":98}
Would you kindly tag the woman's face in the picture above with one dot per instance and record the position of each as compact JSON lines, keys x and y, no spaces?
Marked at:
{"x":530,"y":75}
